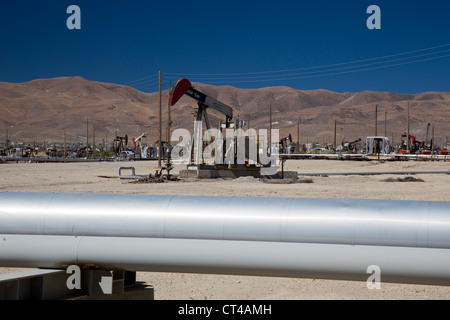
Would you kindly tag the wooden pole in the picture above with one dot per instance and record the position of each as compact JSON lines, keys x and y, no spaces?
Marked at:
{"x":270,"y":128}
{"x":170,"y":115}
{"x":335,"y":132}
{"x":407,"y":129}
{"x":298,"y":137}
{"x":168,"y":118}
{"x":159,"y":124}
{"x":65,"y":153}
{"x":385,"y":123}
{"x":432,"y":138}
{"x":376,"y":120}
{"x":169,"y":124}
{"x":87,"y":137}
{"x":93,"y":138}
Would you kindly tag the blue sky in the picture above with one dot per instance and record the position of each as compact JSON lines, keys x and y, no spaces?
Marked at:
{"x":319,"y":44}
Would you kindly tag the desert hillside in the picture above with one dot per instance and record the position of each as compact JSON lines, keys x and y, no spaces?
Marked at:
{"x":42,"y":109}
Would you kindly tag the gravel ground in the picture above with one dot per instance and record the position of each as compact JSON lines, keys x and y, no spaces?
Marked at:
{"x":102,"y":178}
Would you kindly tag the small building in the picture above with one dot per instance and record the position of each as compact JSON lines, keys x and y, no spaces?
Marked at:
{"x":378,"y":145}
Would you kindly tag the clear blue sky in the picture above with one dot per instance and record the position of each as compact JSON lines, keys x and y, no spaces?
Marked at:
{"x":243,"y":43}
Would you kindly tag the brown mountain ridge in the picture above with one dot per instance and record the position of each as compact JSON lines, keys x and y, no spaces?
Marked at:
{"x":41,"y":110}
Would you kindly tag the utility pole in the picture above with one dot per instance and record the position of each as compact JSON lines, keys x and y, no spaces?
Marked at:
{"x":298,"y":137}
{"x":407,"y":129}
{"x":385,"y":123}
{"x":87,"y":138}
{"x":432,"y":139}
{"x":169,"y":124}
{"x":270,"y":129}
{"x":169,"y":119}
{"x":159,"y":124}
{"x":335,"y":132}
{"x":376,"y":120}
{"x":93,"y":138}
{"x":65,"y":153}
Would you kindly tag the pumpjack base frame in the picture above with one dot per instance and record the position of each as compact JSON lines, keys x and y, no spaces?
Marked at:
{"x":233,"y":172}
{"x":51,"y":284}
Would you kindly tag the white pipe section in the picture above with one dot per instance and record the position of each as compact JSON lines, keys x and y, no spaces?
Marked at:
{"x":329,"y":221}
{"x":324,"y":261}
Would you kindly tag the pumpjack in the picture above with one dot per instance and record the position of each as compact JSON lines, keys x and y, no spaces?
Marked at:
{"x":120,"y":144}
{"x":284,"y":143}
{"x":251,"y":165}
{"x":184,"y":87}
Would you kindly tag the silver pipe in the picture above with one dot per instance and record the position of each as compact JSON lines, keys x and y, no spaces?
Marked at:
{"x":332,"y":221}
{"x":324,"y":261}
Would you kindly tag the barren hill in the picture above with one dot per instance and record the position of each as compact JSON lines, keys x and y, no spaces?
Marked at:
{"x":42,"y":109}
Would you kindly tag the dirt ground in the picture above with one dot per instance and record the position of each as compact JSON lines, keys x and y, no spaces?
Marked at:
{"x":102,"y":177}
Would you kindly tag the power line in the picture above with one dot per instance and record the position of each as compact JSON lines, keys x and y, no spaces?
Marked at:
{"x":291,"y":77}
{"x":145,"y":83}
{"x":308,"y":68}
{"x":328,"y":70}
{"x":148,"y":78}
{"x":287,"y":74}
{"x":165,"y":85}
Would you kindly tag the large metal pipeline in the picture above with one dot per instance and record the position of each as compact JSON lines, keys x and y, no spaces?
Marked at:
{"x":328,"y":221}
{"x":280,"y":259}
{"x":310,"y":238}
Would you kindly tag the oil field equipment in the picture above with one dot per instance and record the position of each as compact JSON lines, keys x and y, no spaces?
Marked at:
{"x":235,"y":153}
